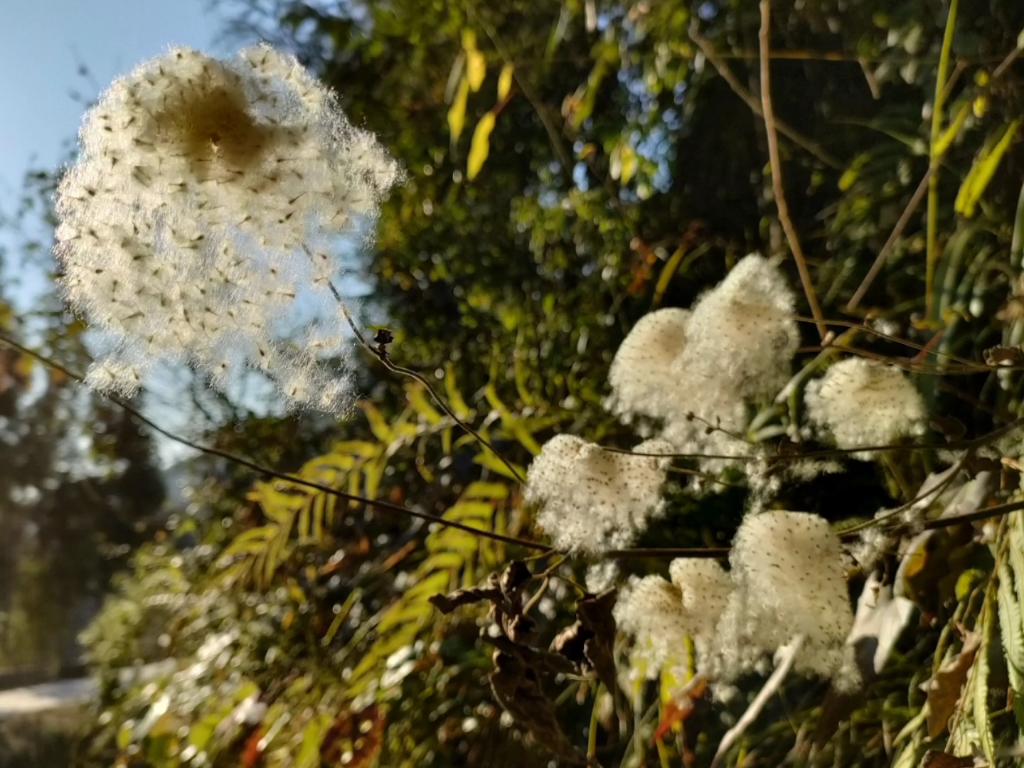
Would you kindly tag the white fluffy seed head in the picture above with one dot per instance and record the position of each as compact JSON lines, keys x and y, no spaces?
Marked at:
{"x":651,"y":611}
{"x":641,"y":377}
{"x":788,"y":577}
{"x":704,"y":589}
{"x":661,"y":615}
{"x":742,"y":333}
{"x":200,"y":217}
{"x":594,"y":500}
{"x":864,"y":403}
{"x":734,"y":348}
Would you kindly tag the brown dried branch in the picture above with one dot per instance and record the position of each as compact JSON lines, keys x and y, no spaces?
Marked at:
{"x":776,"y":165}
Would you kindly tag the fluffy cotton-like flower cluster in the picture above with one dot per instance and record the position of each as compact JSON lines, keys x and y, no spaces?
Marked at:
{"x":742,"y":333}
{"x":642,"y":374}
{"x":651,"y":610}
{"x":202,"y":213}
{"x":865,"y":403}
{"x":662,"y":614}
{"x":734,"y":347}
{"x":592,"y":499}
{"x":704,"y":588}
{"x":788,"y":580}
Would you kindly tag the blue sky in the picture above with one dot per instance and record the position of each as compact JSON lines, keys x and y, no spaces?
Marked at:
{"x":42,"y":46}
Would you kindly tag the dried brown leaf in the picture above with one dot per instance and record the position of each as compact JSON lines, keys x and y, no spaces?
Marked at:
{"x":944,"y":688}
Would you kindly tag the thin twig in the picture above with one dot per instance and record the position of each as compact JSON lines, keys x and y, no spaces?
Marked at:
{"x":706,"y":475}
{"x":381,"y":353}
{"x":953,"y":445}
{"x":776,"y":165}
{"x":788,"y":654}
{"x":656,"y":552}
{"x":847,"y":536}
{"x":715,"y":58}
{"x":935,"y":491}
{"x":894,"y":339}
{"x":897,"y":231}
{"x":667,"y":552}
{"x":252,"y":465}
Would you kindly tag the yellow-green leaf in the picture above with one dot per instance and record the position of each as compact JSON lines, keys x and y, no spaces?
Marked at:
{"x":623,"y":163}
{"x":312,"y":738}
{"x":505,"y":81}
{"x":363,"y":448}
{"x":476,"y":69}
{"x":851,"y":174}
{"x":416,"y":394}
{"x":481,"y":145}
{"x":484,"y":490}
{"x":378,"y":425}
{"x":495,"y":464}
{"x":952,"y":131}
{"x":468,"y":40}
{"x":980,"y":106}
{"x":455,"y":399}
{"x":457,"y":112}
{"x":374,"y":472}
{"x":980,"y":703}
{"x":982,"y":171}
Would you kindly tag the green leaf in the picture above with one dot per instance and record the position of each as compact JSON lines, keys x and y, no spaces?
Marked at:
{"x":510,"y":422}
{"x":360,"y":448}
{"x":580,"y":105}
{"x":250,"y":542}
{"x":624,"y":163}
{"x":1010,"y":620}
{"x":481,"y":146}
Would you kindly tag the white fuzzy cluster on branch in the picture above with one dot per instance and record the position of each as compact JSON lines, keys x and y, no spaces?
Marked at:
{"x":786,"y":580}
{"x":201,"y":221}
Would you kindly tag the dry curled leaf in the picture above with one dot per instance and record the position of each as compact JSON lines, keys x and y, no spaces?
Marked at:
{"x":944,"y":688}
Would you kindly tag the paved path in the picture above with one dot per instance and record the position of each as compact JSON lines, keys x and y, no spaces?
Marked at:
{"x":44,"y":697}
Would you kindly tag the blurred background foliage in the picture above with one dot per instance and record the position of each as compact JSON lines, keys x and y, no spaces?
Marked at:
{"x":570,"y":166}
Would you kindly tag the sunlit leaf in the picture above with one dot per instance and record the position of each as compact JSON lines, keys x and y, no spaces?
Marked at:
{"x":982,"y":171}
{"x":944,"y":688}
{"x":505,"y":81}
{"x":481,"y":145}
{"x":947,"y":137}
{"x":476,"y":69}
{"x":457,"y":111}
